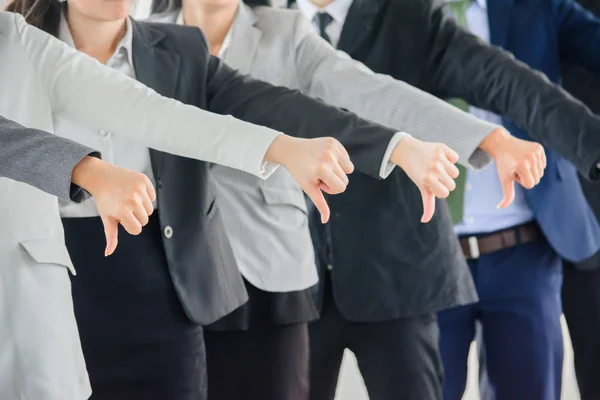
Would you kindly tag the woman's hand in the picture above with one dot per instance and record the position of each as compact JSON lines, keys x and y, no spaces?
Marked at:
{"x":122,"y":196}
{"x":316,"y":164}
{"x":430,"y":166}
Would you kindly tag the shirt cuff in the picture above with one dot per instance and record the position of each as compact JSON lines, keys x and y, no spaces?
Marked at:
{"x":386,"y":166}
{"x":78,"y":194}
{"x":267,"y":168}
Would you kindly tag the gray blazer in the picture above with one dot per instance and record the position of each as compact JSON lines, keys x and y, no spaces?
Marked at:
{"x":266,"y":221}
{"x":40,"y":159}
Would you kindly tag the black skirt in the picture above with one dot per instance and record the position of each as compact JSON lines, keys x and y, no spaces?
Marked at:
{"x":137,"y":341}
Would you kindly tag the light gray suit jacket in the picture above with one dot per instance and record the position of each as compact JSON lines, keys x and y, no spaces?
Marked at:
{"x":266,"y":221}
{"x":40,"y":353}
{"x":40,"y":159}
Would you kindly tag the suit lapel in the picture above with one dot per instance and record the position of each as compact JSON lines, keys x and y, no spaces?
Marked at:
{"x":499,"y":15}
{"x":156,"y":68}
{"x":358,"y":24}
{"x":245,"y":40}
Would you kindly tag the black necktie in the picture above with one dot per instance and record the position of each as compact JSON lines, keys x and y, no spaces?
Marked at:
{"x":323,"y":20}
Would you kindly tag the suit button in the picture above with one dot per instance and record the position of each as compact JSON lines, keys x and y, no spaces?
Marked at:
{"x":168,"y":232}
{"x":329,"y":267}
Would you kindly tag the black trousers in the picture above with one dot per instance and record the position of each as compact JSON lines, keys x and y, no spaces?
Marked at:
{"x":137,"y":342}
{"x":581,"y":307}
{"x":269,"y":363}
{"x":398,"y":359}
{"x":260,"y":351}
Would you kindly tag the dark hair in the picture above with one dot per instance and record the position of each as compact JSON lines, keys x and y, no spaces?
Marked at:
{"x":159,"y":6}
{"x":43,"y":14}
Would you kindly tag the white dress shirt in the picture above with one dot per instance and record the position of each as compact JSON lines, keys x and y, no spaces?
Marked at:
{"x":115,"y":149}
{"x":483,"y":190}
{"x":338,"y":9}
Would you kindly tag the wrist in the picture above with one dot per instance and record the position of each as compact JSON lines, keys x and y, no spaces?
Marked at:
{"x":494,"y":142}
{"x":85,"y":174}
{"x":279,"y":149}
{"x":402,"y":149}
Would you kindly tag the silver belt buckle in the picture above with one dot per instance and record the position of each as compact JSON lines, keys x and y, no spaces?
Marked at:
{"x":473,"y":247}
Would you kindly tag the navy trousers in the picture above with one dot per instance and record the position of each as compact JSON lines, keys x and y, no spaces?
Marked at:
{"x":519,"y":312}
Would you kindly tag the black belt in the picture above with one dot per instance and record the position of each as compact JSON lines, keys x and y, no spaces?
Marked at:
{"x":474,"y":247}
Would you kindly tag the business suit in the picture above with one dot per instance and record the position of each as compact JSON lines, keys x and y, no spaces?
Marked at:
{"x":40,"y":159}
{"x":416,"y":41}
{"x":280,"y":258}
{"x":39,"y":329}
{"x":530,"y":367}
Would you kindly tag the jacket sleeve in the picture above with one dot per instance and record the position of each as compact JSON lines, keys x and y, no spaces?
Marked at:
{"x":578,"y":35}
{"x":341,"y":81}
{"x":100,"y":98}
{"x":41,"y":159}
{"x":490,"y":78}
{"x":296,"y":114}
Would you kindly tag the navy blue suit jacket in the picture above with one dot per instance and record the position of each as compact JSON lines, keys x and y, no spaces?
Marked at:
{"x":545,"y":34}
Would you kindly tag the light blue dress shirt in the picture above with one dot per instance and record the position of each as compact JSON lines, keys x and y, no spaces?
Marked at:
{"x":483,"y":190}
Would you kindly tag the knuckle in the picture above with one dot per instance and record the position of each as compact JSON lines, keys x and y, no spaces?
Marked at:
{"x":428,"y":178}
{"x":322,"y":168}
{"x":122,"y":209}
{"x":331,"y":143}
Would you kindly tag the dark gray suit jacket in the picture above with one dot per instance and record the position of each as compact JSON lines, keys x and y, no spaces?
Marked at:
{"x":200,"y":258}
{"x":40,"y":159}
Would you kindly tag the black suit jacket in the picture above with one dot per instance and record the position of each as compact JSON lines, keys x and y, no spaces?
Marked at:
{"x":385,"y":263}
{"x":175,"y":61}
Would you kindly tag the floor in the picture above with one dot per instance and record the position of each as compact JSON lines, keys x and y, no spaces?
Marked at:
{"x":351,"y":386}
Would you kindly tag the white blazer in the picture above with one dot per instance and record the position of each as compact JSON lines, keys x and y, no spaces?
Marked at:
{"x":40,"y":354}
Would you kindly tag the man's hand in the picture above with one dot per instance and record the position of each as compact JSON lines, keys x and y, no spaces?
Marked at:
{"x":316,"y":164}
{"x":122,"y":196}
{"x":516,"y":160}
{"x":430,"y":166}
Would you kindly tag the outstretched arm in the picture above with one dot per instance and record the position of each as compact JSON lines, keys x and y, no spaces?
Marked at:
{"x":69,"y":170}
{"x":490,"y":78}
{"x":41,"y":159}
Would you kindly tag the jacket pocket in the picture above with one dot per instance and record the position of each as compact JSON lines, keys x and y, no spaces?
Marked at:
{"x":284,"y":196}
{"x":284,"y":208}
{"x":48,"y":251}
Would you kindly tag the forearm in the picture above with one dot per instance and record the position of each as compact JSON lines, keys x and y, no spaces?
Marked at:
{"x":400,"y":106}
{"x":491,"y":79}
{"x":298,"y":115}
{"x":100,"y":98}
{"x":40,"y":159}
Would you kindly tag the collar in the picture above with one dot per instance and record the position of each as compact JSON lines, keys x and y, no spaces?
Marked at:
{"x":64,"y":34}
{"x":227,"y":41}
{"x":338,"y":9}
